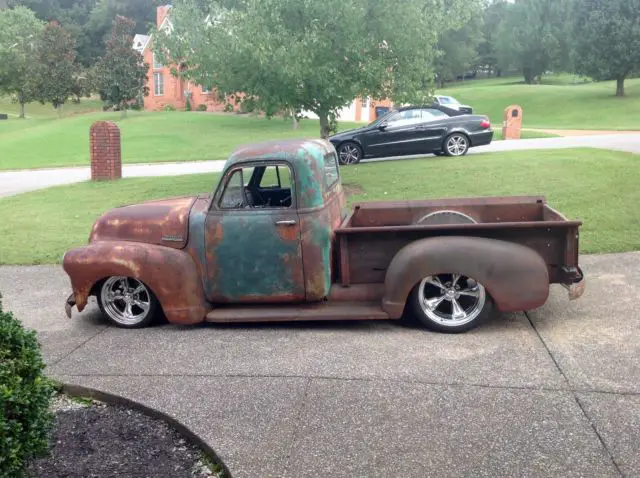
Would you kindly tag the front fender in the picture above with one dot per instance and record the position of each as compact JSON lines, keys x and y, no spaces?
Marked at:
{"x":515,"y":276}
{"x":170,"y":273}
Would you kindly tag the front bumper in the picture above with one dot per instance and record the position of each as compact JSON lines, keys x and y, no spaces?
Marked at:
{"x":69,"y":304}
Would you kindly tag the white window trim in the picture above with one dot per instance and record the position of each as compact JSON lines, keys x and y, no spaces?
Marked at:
{"x":158,"y":74}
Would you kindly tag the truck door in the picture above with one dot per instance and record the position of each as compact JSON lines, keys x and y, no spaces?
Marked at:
{"x":252,"y":237}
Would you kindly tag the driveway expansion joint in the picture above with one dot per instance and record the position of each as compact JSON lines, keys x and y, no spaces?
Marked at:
{"x":354,"y":379}
{"x":575,"y":397}
{"x":79,"y":346}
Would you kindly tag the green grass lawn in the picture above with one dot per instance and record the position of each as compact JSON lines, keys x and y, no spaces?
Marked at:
{"x":597,"y":187}
{"x":146,"y":137}
{"x":556,"y":103}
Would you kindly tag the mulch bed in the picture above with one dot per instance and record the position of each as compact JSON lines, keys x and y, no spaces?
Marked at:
{"x":98,"y":440}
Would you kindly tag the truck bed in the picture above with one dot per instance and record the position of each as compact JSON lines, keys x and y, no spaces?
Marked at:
{"x":374,"y":232}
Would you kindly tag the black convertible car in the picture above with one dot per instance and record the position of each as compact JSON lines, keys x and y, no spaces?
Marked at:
{"x":414,"y":130}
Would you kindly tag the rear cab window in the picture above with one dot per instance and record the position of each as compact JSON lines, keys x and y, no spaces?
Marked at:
{"x":331,"y":170}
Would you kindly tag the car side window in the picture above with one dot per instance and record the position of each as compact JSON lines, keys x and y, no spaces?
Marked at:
{"x":405,"y":118}
{"x":430,"y":114}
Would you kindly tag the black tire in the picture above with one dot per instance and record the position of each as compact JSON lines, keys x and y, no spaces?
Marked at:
{"x":438,"y":153}
{"x":476,"y":312}
{"x":349,"y":153}
{"x":110,"y":308}
{"x":462,"y":141}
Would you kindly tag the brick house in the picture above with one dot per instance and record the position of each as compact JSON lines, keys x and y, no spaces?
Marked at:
{"x":165,"y":89}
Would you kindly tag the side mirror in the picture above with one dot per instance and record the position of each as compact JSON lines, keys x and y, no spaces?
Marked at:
{"x":382,"y":126}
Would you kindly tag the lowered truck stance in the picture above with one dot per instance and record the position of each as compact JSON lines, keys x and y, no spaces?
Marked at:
{"x":275,"y":242}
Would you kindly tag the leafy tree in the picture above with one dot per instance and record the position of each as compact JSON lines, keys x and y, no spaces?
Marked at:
{"x":19,"y":29}
{"x":458,"y":50}
{"x":89,"y":21}
{"x":532,"y":36}
{"x":606,"y":37}
{"x":294,"y":55}
{"x":121,"y":73}
{"x":492,"y":16}
{"x":72,"y":15}
{"x":54,"y":70}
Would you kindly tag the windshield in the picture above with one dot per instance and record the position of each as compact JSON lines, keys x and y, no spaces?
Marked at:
{"x":448,"y":100}
{"x":381,"y":118}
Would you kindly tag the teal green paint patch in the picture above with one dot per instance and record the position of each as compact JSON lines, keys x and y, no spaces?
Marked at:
{"x":251,"y":260}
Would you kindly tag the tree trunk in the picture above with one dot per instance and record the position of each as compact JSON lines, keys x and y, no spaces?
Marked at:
{"x":21,"y":107}
{"x":324,"y":125}
{"x":123,"y":112}
{"x":59,"y":110}
{"x":620,"y":85}
{"x":296,"y":123}
{"x":528,"y":75}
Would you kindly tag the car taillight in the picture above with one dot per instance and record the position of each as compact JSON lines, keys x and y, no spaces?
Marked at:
{"x":485,"y":123}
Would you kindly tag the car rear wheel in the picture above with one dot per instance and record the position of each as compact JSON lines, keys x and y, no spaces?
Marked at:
{"x":349,"y":153}
{"x":450,"y":302}
{"x":456,"y":144}
{"x":127,"y":302}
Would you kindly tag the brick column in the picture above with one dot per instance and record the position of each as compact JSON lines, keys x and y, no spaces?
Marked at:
{"x":106,"y":162}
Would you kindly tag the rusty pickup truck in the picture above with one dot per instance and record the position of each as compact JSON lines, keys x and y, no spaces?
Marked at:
{"x":276,"y":242}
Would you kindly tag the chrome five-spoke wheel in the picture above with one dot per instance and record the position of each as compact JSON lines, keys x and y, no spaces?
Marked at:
{"x":451,"y":302}
{"x":127,"y":302}
{"x":456,"y":145}
{"x":349,"y":153}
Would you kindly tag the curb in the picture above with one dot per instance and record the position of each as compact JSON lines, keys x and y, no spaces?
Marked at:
{"x":112,"y":399}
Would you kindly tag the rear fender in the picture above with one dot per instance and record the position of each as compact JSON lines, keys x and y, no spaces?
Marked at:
{"x":170,"y":273}
{"x":515,"y":276}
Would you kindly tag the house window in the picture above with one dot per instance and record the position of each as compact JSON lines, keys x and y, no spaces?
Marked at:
{"x":156,"y":64}
{"x":158,"y":84}
{"x":205,"y":90}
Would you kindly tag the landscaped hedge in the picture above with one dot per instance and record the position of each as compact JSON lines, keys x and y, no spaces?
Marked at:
{"x":25,"y":393}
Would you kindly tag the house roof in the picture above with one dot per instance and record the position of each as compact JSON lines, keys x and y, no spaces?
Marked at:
{"x":139,"y":41}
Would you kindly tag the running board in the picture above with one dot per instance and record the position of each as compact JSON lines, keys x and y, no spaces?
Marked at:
{"x":298,"y":312}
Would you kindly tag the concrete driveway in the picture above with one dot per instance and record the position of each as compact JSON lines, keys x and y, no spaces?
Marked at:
{"x":553,"y":392}
{"x":15,"y":182}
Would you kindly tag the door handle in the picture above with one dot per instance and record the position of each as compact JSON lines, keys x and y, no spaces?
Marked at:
{"x":289,"y":222}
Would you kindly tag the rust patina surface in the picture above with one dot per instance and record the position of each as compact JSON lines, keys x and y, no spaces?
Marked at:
{"x":274,"y":241}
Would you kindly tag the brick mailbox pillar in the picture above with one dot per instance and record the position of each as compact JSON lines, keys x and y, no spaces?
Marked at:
{"x":512,"y":122}
{"x":106,"y":162}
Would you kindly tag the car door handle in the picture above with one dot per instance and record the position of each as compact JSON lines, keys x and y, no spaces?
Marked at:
{"x":289,"y":222}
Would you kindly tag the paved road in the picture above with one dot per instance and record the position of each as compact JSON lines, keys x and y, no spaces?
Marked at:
{"x":14,"y":182}
{"x":554,"y":392}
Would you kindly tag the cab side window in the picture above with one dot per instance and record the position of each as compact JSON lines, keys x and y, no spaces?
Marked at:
{"x":233,"y":196}
{"x":259,"y":187}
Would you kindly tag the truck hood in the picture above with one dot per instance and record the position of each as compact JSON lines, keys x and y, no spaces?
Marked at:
{"x":164,"y":222}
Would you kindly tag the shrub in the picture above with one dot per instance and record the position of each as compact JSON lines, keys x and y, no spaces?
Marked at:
{"x":187,"y":105}
{"x":25,"y":394}
{"x":202,"y":107}
{"x":169,"y":108}
{"x":228,"y":108}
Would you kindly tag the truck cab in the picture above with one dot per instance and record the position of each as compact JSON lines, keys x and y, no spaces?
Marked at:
{"x":274,"y":241}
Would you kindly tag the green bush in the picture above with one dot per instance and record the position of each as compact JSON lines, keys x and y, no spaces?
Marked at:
{"x":25,"y":394}
{"x":169,"y":108}
{"x":202,"y":107}
{"x":187,"y":105}
{"x":228,"y":108}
